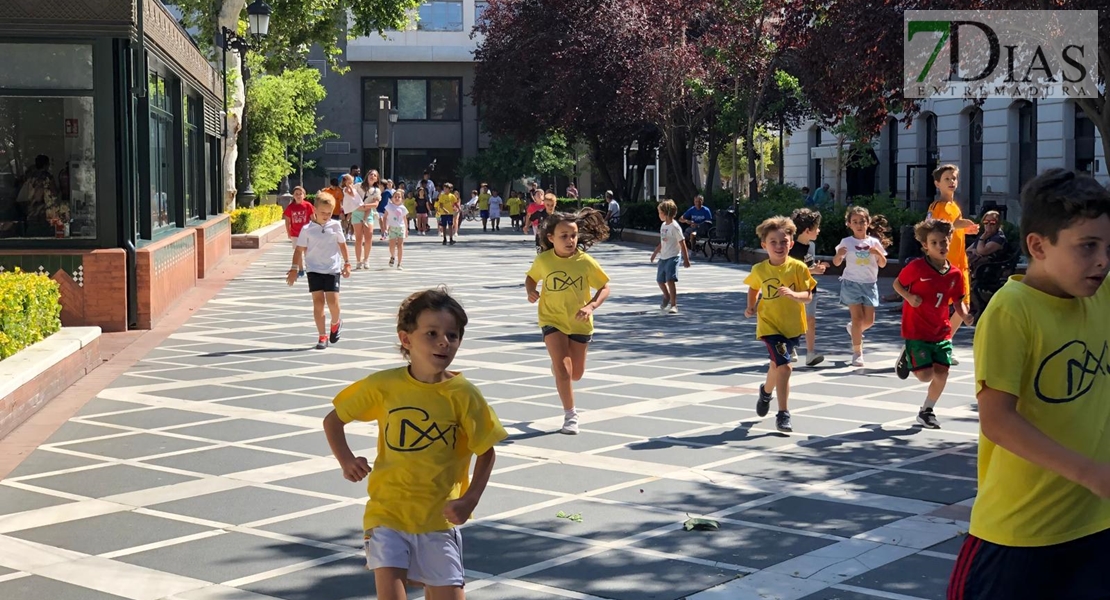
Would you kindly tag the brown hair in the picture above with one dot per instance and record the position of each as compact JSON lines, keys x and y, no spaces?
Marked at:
{"x":941,"y":170}
{"x":777,"y":223}
{"x":592,"y":228}
{"x":806,"y":219}
{"x":877,"y":226}
{"x":434,"y":300}
{"x":300,"y":188}
{"x":1056,"y":199}
{"x":668,"y":208}
{"x":922,"y":230}
{"x":993,"y":213}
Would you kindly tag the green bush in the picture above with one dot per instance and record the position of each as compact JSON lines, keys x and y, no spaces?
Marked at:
{"x":30,"y":310}
{"x":246,"y":220}
{"x":571,"y":205}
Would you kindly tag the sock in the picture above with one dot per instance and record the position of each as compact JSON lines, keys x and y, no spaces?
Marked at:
{"x":570,"y":413}
{"x":928,"y":404}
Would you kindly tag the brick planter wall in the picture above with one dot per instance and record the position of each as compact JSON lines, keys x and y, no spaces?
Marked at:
{"x":93,"y":283}
{"x":164,"y":271}
{"x":213,"y":243}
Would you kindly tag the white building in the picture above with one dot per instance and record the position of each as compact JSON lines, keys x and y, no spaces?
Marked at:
{"x":998,"y":147}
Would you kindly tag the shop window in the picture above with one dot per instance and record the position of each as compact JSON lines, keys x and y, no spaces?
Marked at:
{"x":163,"y":196}
{"x":441,"y":15}
{"x":193,"y":191}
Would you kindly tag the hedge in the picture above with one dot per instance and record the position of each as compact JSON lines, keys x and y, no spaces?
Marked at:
{"x":30,"y":310}
{"x":246,"y":220}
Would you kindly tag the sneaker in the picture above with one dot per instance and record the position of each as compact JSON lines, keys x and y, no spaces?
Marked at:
{"x":444,"y":241}
{"x":857,"y":359}
{"x":391,"y":259}
{"x":955,"y":361}
{"x":782,"y":422}
{"x":816,"y":359}
{"x":452,"y":242}
{"x":400,"y":268}
{"x":673,"y":310}
{"x":664,"y":304}
{"x":793,"y":355}
{"x":335,"y":329}
{"x":570,"y":424}
{"x":902,"y":367}
{"x":927,"y":419}
{"x":764,"y":403}
{"x":322,"y":342}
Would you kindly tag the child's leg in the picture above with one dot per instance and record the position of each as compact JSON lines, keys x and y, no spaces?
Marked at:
{"x":666,"y":293}
{"x":318,"y":311}
{"x":937,"y":381}
{"x":577,"y":359}
{"x":390,"y":583}
{"x":333,"y":307}
{"x":367,"y":239}
{"x":358,"y":243}
{"x":778,"y":379}
{"x":562,"y":366}
{"x":444,"y":593}
{"x":400,"y":250}
{"x":392,"y":248}
{"x":672,"y":289}
{"x":811,"y":330}
{"x":868,"y":319}
{"x":857,"y":312}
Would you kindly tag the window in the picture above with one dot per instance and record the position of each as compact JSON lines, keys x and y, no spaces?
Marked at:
{"x":411,"y":164}
{"x":47,"y":142}
{"x":1027,"y":142}
{"x":163,"y":201}
{"x":192,"y":190}
{"x":479,"y":8}
{"x":441,"y":15}
{"x":414,"y":99}
{"x":1084,"y":142}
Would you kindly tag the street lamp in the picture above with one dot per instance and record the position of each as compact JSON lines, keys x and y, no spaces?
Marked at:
{"x":393,"y":116}
{"x":258,"y":19}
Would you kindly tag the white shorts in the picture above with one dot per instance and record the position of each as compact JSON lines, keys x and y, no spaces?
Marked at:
{"x":433,"y":559}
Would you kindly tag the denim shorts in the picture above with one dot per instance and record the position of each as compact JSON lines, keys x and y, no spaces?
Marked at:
{"x":667,"y":270}
{"x":433,"y":559}
{"x":854,"y":292}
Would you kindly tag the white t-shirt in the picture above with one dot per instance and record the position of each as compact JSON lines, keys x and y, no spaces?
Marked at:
{"x":495,"y":203}
{"x":321,"y":244}
{"x":859,"y":265}
{"x":395,"y":215}
{"x":670,"y":240}
{"x":351,"y":202}
{"x":614,"y":209}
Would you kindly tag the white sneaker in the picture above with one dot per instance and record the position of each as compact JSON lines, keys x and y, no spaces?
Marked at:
{"x":400,"y":268}
{"x":955,"y":361}
{"x":857,"y":359}
{"x":570,"y":424}
{"x":673,"y":310}
{"x":664,"y":308}
{"x":814,"y":360}
{"x":793,"y":355}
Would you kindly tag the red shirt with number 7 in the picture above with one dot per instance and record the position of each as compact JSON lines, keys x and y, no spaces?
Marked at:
{"x":929,"y":322}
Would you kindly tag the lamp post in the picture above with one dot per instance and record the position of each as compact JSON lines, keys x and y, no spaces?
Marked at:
{"x":258,"y":19}
{"x":393,"y":116}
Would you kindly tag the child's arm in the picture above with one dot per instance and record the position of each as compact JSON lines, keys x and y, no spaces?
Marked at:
{"x":459,"y":511}
{"x":1004,"y":425}
{"x":346,"y":259}
{"x":685,"y":254}
{"x":594,"y":303}
{"x":298,"y":260}
{"x":912,"y":298}
{"x":658,"y":248}
{"x":961,"y":310}
{"x":355,"y":468}
{"x":963,"y":223}
{"x":753,"y":297}
{"x":841,"y":252}
{"x":530,"y":285}
{"x":288,"y":226}
{"x":880,"y":258}
{"x":803,"y":297}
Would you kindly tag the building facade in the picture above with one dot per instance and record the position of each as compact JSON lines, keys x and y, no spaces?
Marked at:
{"x":110,"y":127}
{"x":998,"y":146}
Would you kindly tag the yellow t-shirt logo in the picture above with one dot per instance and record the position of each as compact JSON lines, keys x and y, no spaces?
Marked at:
{"x":410,"y":429}
{"x":1079,"y":366}
{"x":560,"y":281}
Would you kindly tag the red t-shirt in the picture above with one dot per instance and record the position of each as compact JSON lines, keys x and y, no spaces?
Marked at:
{"x":299,"y":214}
{"x":929,"y":322}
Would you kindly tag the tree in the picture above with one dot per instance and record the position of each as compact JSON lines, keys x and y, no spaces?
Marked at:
{"x":295,"y":25}
{"x":507,"y":160}
{"x":282,"y":113}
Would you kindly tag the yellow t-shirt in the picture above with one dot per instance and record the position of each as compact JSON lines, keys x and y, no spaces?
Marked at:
{"x":483,"y":201}
{"x":566,"y":289}
{"x":410,"y":204}
{"x":776,"y":314}
{"x":445,"y":204}
{"x":1052,"y":353}
{"x":426,"y":436}
{"x":515,"y":206}
{"x":957,"y":249}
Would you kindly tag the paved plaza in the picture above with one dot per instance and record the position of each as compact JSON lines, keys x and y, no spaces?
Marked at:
{"x":203,"y":473}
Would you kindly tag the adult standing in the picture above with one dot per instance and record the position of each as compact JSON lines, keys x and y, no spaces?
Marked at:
{"x":356,"y":172}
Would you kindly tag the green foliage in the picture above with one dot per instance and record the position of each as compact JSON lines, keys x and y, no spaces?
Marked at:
{"x":281,"y":113}
{"x":246,"y":220}
{"x":507,"y":159}
{"x":571,"y":205}
{"x":30,"y":310}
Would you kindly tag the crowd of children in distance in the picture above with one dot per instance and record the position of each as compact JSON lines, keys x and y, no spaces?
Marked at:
{"x":1040,"y":525}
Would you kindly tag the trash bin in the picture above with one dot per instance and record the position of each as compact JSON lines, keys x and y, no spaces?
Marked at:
{"x":908,"y":246}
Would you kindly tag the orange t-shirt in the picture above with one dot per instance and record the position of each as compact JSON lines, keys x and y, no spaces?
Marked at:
{"x":336,"y":193}
{"x":957,"y":250}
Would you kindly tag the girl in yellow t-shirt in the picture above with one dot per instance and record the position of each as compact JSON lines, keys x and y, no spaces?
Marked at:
{"x":566,"y":305}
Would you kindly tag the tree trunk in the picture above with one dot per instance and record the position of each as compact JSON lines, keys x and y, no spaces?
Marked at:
{"x":680,"y":181}
{"x":235,"y":100}
{"x":714,"y":149}
{"x":839,"y":168}
{"x":750,"y":151}
{"x":782,"y":153}
{"x":601,"y":161}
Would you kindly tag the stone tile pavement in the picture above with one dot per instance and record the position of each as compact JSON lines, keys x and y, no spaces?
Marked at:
{"x":202,"y":473}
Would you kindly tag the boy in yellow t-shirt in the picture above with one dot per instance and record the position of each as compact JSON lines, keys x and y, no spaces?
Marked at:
{"x":516,"y":210}
{"x":785,"y":285}
{"x":431,"y":421}
{"x":447,"y":204}
{"x":1040,"y":525}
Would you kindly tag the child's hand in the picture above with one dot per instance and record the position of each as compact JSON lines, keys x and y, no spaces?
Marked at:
{"x":653,"y":255}
{"x":968,"y":318}
{"x":819,"y":268}
{"x":749,"y":312}
{"x":973,"y":228}
{"x":914,"y":300}
{"x":787,"y":292}
{"x":291,"y":276}
{"x":842,"y":251}
{"x":346,"y":271}
{"x":458,"y":511}
{"x":533,"y":295}
{"x":876,"y":250}
{"x":686,"y":261}
{"x":356,"y":470}
{"x":584,"y":313}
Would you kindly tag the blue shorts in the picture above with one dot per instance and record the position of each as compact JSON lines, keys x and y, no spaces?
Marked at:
{"x":667,"y":270}
{"x":484,"y":214}
{"x":446,"y":220}
{"x":854,"y":292}
{"x":781,"y":348}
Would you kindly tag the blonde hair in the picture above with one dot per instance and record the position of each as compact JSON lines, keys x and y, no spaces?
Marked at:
{"x":777,"y":223}
{"x":324,"y":198}
{"x":668,"y":208}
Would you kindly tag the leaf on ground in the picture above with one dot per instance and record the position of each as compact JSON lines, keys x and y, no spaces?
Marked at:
{"x":576,"y":517}
{"x":693,"y":524}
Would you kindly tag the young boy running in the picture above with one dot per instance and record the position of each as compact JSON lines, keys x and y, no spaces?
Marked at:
{"x":296,"y":215}
{"x":804,"y":249}
{"x":785,"y":284}
{"x":322,"y":249}
{"x":671,"y":245}
{"x":447,"y":204}
{"x":928,"y":286}
{"x":431,"y":422}
{"x":946,"y":178}
{"x":516,"y":210}
{"x":1040,"y":525}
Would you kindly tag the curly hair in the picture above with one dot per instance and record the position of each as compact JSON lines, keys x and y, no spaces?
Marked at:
{"x":877,"y":226}
{"x":592,"y":228}
{"x":922,"y":230}
{"x":435,"y":300}
{"x":806,"y":219}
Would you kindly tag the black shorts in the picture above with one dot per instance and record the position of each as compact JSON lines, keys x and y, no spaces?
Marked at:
{"x":1075,"y":570}
{"x":581,"y":338}
{"x":323,"y":282}
{"x":780,"y":348}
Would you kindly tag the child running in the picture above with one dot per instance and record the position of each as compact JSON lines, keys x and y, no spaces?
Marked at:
{"x":516,"y":211}
{"x":566,"y":307}
{"x":322,"y":249}
{"x":483,"y":204}
{"x":495,"y":203}
{"x":396,"y":216}
{"x":859,"y":284}
{"x":785,"y":284}
{"x":671,"y":245}
{"x":447,"y":204}
{"x":1040,"y":525}
{"x":422,"y":204}
{"x":296,"y":215}
{"x":947,"y":179}
{"x":928,"y":286}
{"x":804,"y":249}
{"x":362,"y":219}
{"x":419,"y":489}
